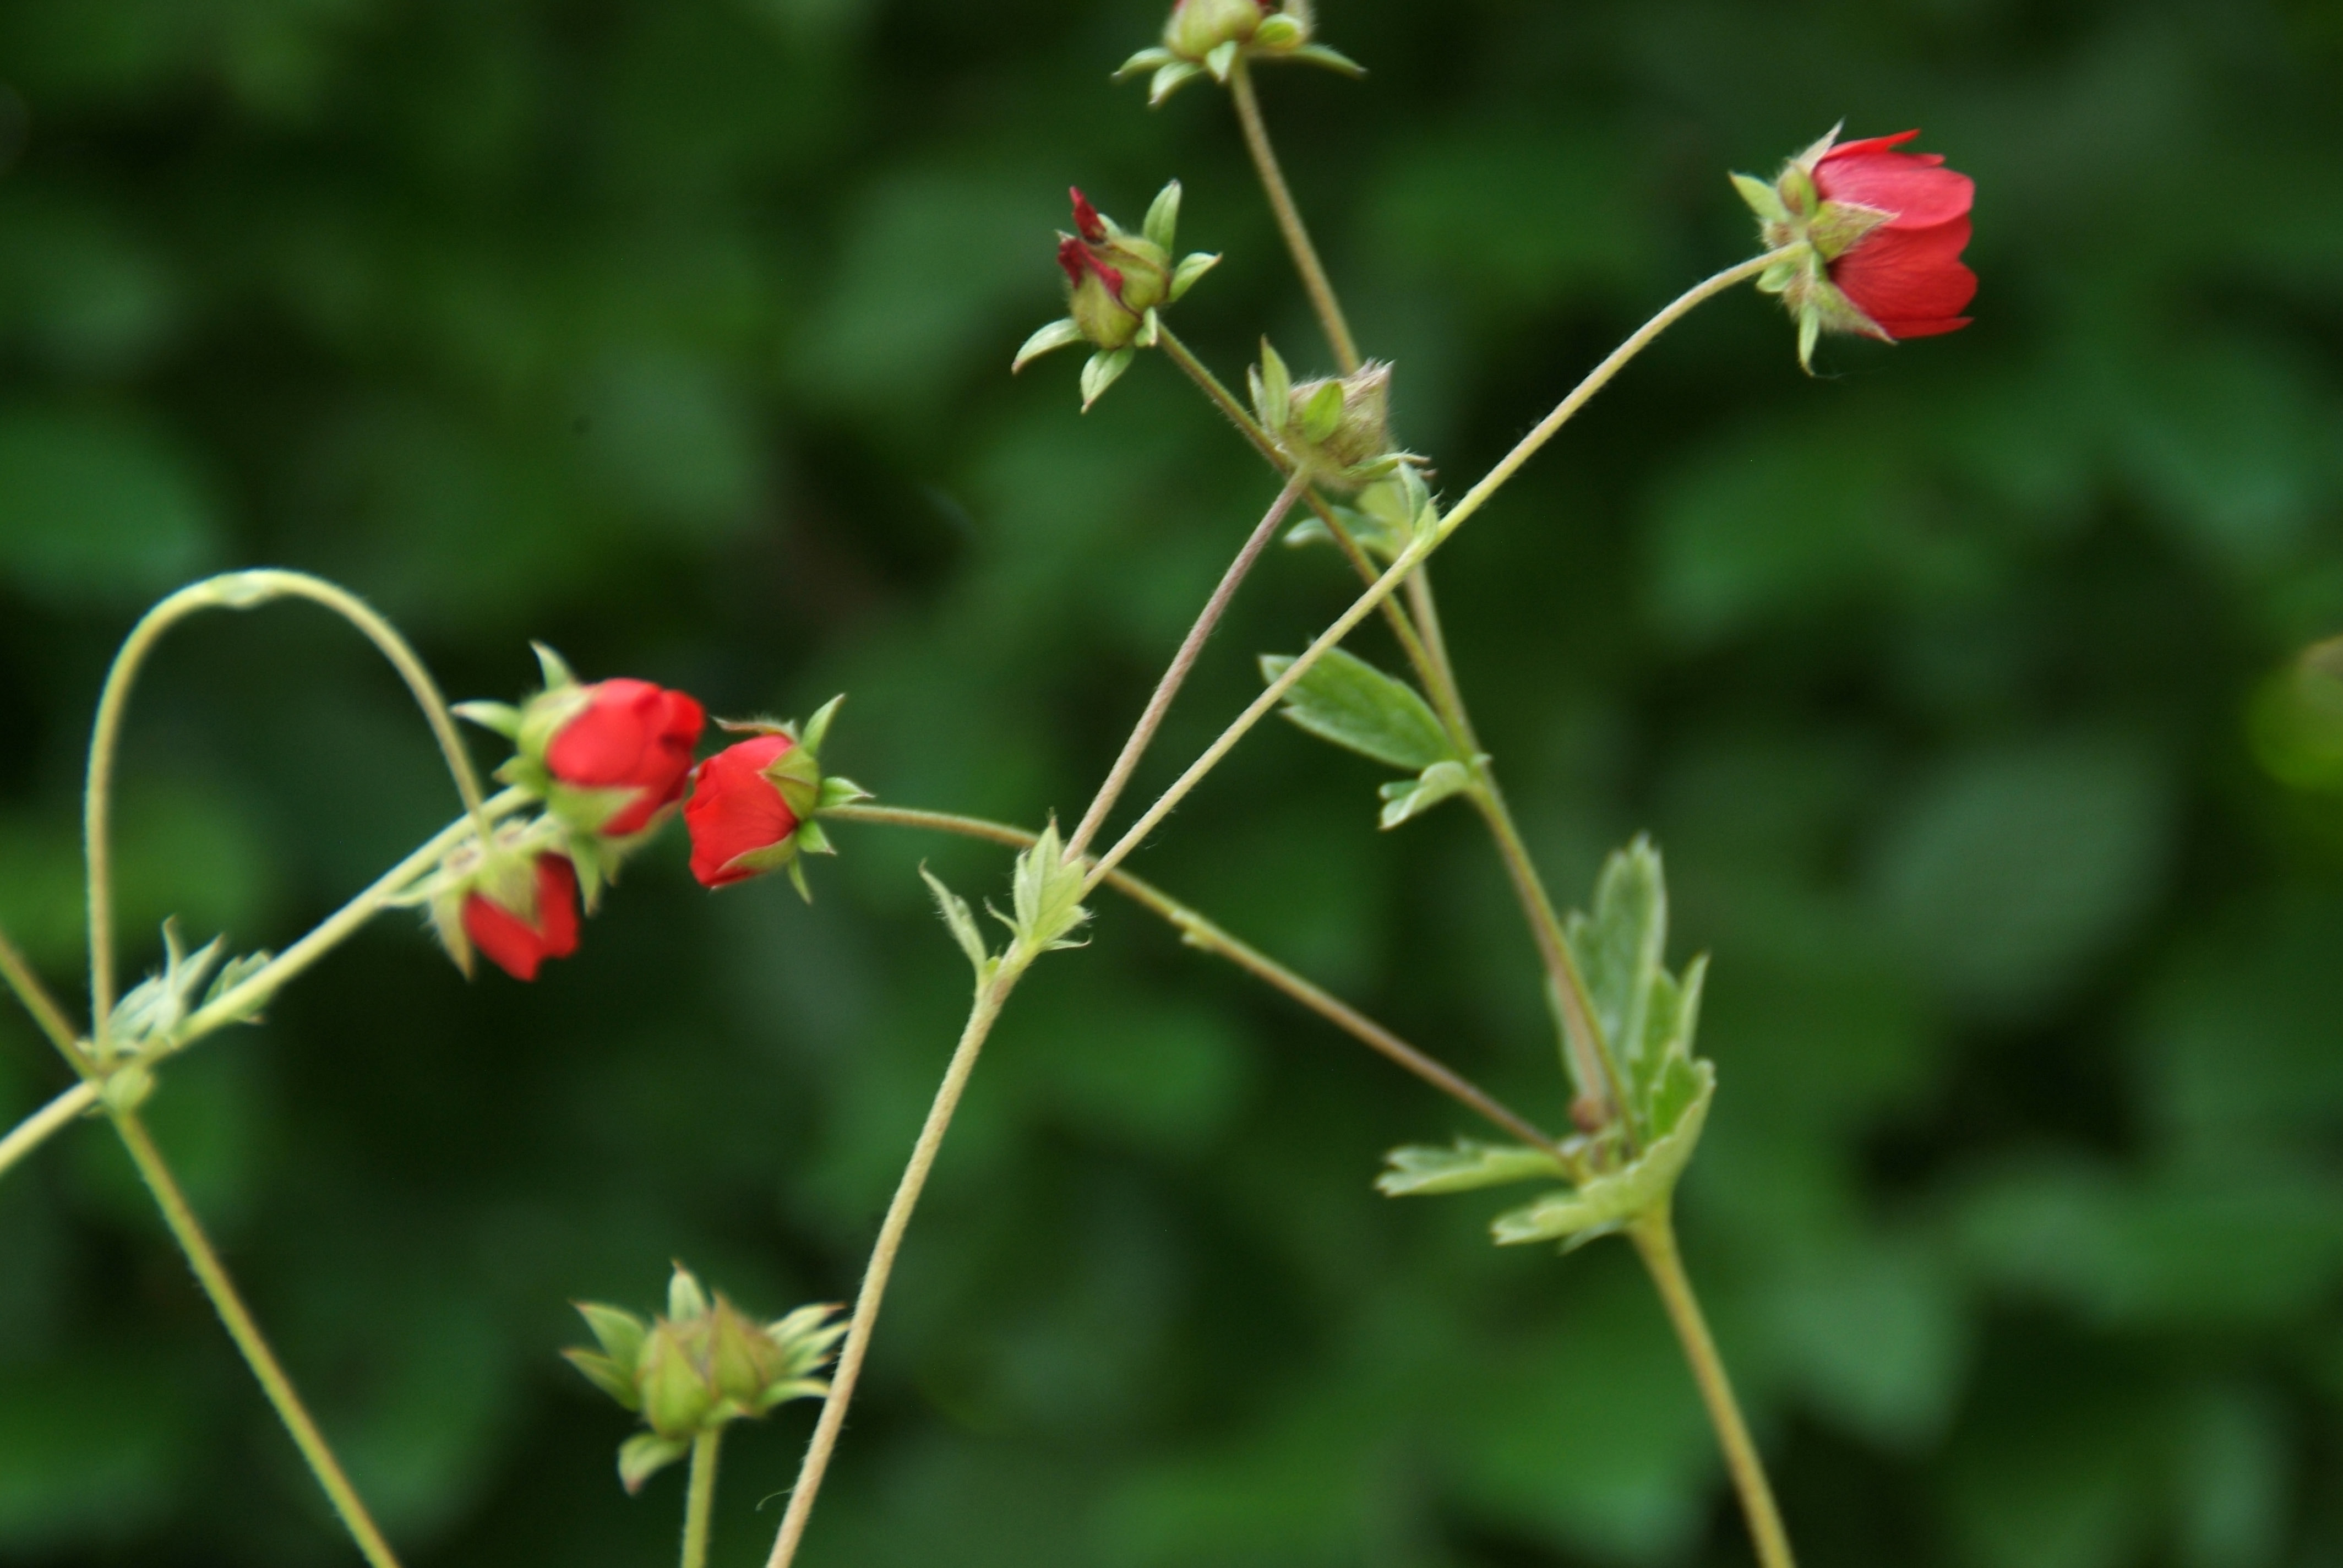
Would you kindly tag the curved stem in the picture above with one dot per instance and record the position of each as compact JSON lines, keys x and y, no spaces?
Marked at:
{"x":230,"y":591}
{"x":1423,"y":546}
{"x":1655,"y":1238}
{"x":1289,"y":219}
{"x":49,"y":1119}
{"x":983,"y":1015}
{"x":241,"y":1328}
{"x":1176,"y":672}
{"x":699,"y":1500}
{"x":1202,"y":933}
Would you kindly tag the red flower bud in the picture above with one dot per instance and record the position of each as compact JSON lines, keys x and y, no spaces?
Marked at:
{"x":1087,"y":222}
{"x":630,"y":735}
{"x":518,"y":942}
{"x":736,"y":809}
{"x":1905,"y":273}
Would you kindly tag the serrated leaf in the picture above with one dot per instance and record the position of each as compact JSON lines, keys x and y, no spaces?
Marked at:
{"x":1047,"y":894}
{"x":1101,"y":371}
{"x":1161,"y":223}
{"x":1619,"y":944}
{"x":1192,"y":266}
{"x":1055,"y":335}
{"x":961,"y":920}
{"x":1346,"y":700}
{"x":1421,"y":1169}
{"x":644,"y":1455}
{"x":1606,"y":1202}
{"x":1407,"y":798}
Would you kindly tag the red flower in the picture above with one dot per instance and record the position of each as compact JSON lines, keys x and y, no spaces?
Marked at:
{"x":517,"y":946}
{"x":630,"y":735}
{"x":1905,"y":275}
{"x":735,"y":810}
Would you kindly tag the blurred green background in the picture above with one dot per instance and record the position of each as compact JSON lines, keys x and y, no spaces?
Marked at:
{"x":676,"y":332}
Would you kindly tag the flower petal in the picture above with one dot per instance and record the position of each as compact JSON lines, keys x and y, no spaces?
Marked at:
{"x":1909,"y":276}
{"x":1913,"y":185}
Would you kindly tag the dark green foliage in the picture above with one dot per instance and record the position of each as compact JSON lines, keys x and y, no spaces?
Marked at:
{"x":676,"y":333}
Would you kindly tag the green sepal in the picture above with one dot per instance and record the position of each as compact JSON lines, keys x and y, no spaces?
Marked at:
{"x":1278,"y":34}
{"x":1407,"y":798}
{"x":1102,"y":370}
{"x":1161,"y":223}
{"x":1192,"y":266}
{"x":961,"y":920}
{"x":619,"y":1332}
{"x":607,"y":1375}
{"x":817,"y":728}
{"x":1330,"y":59}
{"x":812,"y":840}
{"x":839,"y":790}
{"x":1151,"y":329}
{"x":685,"y":1297}
{"x":555,"y":669}
{"x":1056,"y":334}
{"x":1837,"y":226}
{"x":1324,"y":412}
{"x":1605,"y":1203}
{"x":1345,"y":699}
{"x":644,"y":1455}
{"x":797,"y":774}
{"x":1762,"y":199}
{"x":501,"y":717}
{"x":1170,"y":79}
{"x":1145,"y":60}
{"x":1221,"y":60}
{"x":677,"y":1395}
{"x":781,"y":1394}
{"x":797,"y":880}
{"x":771,"y":857}
{"x":1273,"y":389}
{"x":1421,"y":1169}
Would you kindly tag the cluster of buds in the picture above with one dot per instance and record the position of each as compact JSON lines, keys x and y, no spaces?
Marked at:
{"x":1211,"y":36}
{"x":1879,"y":236}
{"x":702,"y":1366}
{"x":1116,"y":281}
{"x":147,"y":1024}
{"x":1336,"y":430}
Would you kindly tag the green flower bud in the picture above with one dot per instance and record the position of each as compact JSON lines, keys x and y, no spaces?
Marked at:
{"x":1338,"y":431}
{"x":677,"y":1391}
{"x":1197,"y":28}
{"x":1113,"y":277}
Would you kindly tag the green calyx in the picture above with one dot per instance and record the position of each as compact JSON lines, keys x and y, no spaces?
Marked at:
{"x":702,"y":1365}
{"x":804,"y":789}
{"x":1337,"y":431}
{"x":1791,"y":213}
{"x":1209,"y":37}
{"x":1117,"y":281}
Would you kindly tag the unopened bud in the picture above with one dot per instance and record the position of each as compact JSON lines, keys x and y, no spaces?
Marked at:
{"x":1197,"y":28}
{"x":1337,"y":430}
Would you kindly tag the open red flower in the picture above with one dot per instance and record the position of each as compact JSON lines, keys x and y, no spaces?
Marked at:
{"x":1905,"y":272}
{"x":518,"y":945}
{"x":630,"y":735}
{"x":736,"y":809}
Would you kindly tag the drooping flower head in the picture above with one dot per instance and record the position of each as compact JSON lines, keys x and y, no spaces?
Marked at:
{"x":540,"y":924}
{"x":752,"y":804}
{"x":1883,"y":232}
{"x":632,"y":736}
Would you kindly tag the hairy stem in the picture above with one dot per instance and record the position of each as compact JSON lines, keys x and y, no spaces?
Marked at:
{"x":1176,"y":672}
{"x":983,"y":1015}
{"x":1202,"y":933}
{"x":241,"y":1328}
{"x":230,"y":591}
{"x":49,"y":1119}
{"x":1655,"y":1238}
{"x":1289,"y":219}
{"x":1423,"y":546}
{"x":35,"y":998}
{"x":700,"y":1501}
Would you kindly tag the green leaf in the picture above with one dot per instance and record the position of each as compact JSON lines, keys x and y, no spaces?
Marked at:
{"x":963,"y":922}
{"x":1619,"y":946}
{"x":1346,"y":700}
{"x":1102,"y":371}
{"x":1406,"y":797}
{"x":1577,"y":1215}
{"x":1047,"y":894}
{"x":1057,"y":335}
{"x":1421,"y":1169}
{"x":645,"y":1454}
{"x":1163,"y":222}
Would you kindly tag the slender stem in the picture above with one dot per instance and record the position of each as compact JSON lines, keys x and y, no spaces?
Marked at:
{"x":1202,"y":933}
{"x":1655,"y":1238}
{"x":1176,"y":673}
{"x":700,"y":1501}
{"x":986,"y":1011}
{"x":40,"y":1003}
{"x":241,"y":1328}
{"x":1289,"y":219}
{"x":230,"y":591}
{"x":37,"y":1129}
{"x":270,"y":977}
{"x":1423,"y":546}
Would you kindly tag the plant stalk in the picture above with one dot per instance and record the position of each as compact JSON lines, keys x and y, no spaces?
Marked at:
{"x":241,"y":1328}
{"x":983,"y":1015}
{"x":1176,"y":673}
{"x":1199,"y":932}
{"x":1656,"y":1239}
{"x":49,"y":1119}
{"x":700,"y":1501}
{"x":1289,"y":219}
